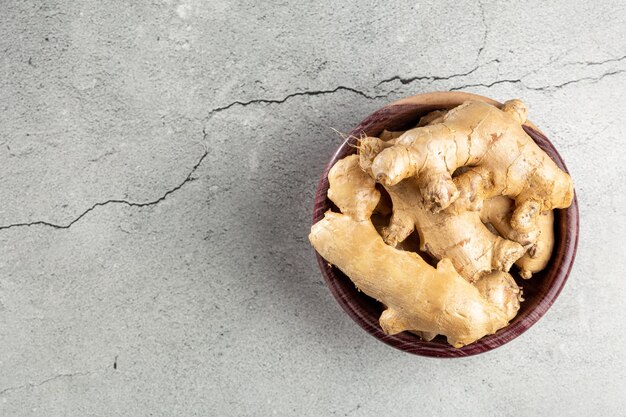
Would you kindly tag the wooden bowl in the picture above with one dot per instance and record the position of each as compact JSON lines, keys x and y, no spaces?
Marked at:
{"x":540,"y":291}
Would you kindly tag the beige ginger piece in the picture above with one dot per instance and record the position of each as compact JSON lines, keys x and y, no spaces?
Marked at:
{"x":461,"y":237}
{"x":500,"y":289}
{"x":538,"y":256}
{"x":351,"y":189}
{"x":433,"y":117}
{"x":497,"y":211}
{"x":418,"y":296}
{"x":505,"y":161}
{"x":388,"y":135}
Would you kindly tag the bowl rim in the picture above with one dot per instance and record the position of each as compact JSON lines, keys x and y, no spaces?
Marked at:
{"x":408,"y":342}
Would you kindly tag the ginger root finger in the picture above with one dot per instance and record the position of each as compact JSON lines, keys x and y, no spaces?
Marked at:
{"x":539,"y":243}
{"x":368,"y":148}
{"x":460,"y":237}
{"x":471,"y":185}
{"x":497,"y":211}
{"x":351,"y":189}
{"x":538,"y":256}
{"x":431,"y":118}
{"x":387,"y":135}
{"x":418,"y":296}
{"x":481,"y":135}
{"x":500,"y":289}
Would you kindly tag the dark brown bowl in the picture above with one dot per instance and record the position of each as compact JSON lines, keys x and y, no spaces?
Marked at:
{"x":540,"y":291}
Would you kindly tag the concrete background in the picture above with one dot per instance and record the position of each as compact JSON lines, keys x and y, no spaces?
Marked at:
{"x":157,"y":168}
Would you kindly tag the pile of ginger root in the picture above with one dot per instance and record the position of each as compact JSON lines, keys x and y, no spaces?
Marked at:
{"x":480,"y":194}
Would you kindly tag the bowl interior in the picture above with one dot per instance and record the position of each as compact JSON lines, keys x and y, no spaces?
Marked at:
{"x":539,"y":292}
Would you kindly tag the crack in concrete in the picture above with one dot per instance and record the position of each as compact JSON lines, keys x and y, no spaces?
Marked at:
{"x":461,"y":87}
{"x":409,"y":80}
{"x":45,"y":381}
{"x":593,"y":79}
{"x":593,"y":63}
{"x":104,"y":155}
{"x":297,"y":94}
{"x":114,"y":201}
{"x":520,"y":80}
{"x":542,"y":88}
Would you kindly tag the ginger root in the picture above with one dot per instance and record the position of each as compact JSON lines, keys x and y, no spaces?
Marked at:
{"x":462,"y":238}
{"x":480,"y":194}
{"x":351,"y":189}
{"x":505,"y":161}
{"x":418,"y":296}
{"x":500,"y":289}
{"x":539,"y":254}
{"x":497,"y":212}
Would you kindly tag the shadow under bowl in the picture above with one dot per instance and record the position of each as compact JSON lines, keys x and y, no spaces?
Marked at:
{"x":540,"y":291}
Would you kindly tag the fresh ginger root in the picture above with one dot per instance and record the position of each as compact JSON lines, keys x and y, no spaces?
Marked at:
{"x":538,"y":256}
{"x":505,"y":161}
{"x":418,"y":296}
{"x":462,"y":238}
{"x":497,"y":211}
{"x":452,"y":178}
{"x":351,"y":189}
{"x":500,"y":289}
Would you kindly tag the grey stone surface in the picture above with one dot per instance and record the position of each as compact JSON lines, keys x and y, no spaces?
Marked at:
{"x":157,"y":168}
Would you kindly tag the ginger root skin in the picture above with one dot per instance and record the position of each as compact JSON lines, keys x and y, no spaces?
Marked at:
{"x":539,"y":243}
{"x":497,"y":211}
{"x":500,"y":289}
{"x":461,"y":237}
{"x":431,"y":118}
{"x":388,"y":135}
{"x":351,"y":189}
{"x":493,"y":142}
{"x":538,"y":256}
{"x":418,"y":297}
